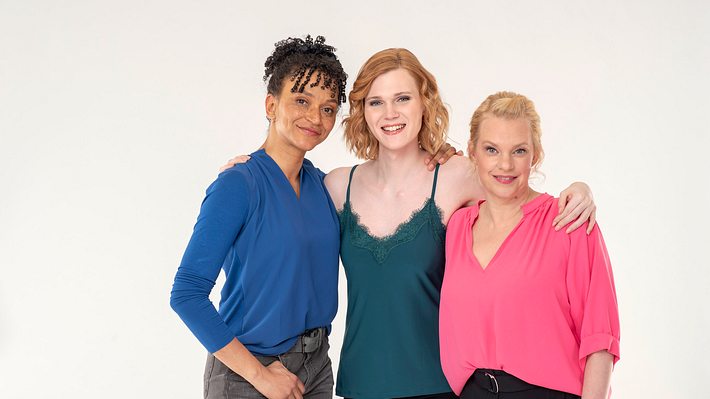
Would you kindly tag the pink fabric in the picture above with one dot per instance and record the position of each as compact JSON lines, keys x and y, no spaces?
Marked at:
{"x":544,"y":303}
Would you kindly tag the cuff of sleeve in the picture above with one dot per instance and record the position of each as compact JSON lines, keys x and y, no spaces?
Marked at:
{"x":217,"y":343}
{"x":599,"y":342}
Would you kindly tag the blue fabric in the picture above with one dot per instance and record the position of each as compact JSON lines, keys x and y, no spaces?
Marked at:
{"x":279,"y":254}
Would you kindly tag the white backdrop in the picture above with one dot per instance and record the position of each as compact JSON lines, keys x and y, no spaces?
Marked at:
{"x":114,"y":117}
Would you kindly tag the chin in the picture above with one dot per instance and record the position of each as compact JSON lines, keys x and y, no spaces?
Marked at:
{"x":309,"y":146}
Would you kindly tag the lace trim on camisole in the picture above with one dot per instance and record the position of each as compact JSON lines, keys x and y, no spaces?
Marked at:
{"x":380,"y":247}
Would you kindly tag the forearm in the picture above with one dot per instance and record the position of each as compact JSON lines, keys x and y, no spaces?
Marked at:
{"x":597,"y":375}
{"x":238,"y":358}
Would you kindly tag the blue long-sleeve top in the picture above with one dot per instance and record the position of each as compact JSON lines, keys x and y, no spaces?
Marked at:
{"x":279,"y":254}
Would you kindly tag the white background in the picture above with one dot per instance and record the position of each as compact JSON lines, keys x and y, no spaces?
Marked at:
{"x":114,"y":117}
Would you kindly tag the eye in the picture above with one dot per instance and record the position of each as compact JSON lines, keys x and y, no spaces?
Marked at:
{"x":374,"y":103}
{"x":490,"y":150}
{"x":328,"y":111}
{"x":301,"y":101}
{"x":520,"y":151}
{"x":404,"y":98}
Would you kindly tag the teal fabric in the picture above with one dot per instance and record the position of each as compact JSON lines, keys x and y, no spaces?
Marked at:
{"x":391,"y":346}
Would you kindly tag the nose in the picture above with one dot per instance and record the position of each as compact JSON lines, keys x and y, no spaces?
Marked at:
{"x":313,"y":116}
{"x":505,"y":162}
{"x":391,"y":111}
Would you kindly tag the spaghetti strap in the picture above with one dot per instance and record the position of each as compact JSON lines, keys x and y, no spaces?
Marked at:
{"x":433,"y":186}
{"x":350,"y":179}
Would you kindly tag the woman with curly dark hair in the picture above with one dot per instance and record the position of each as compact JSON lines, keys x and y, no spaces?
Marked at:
{"x":272,"y":227}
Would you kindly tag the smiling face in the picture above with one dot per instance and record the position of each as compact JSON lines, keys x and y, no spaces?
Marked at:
{"x":301,"y":120}
{"x":503,"y":156}
{"x":394,"y":110}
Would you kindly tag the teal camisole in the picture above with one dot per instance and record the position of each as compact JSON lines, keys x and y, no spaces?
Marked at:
{"x":391,"y":345}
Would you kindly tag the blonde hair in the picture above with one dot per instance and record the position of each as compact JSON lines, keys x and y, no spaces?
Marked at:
{"x":435,"y":119}
{"x":509,"y":105}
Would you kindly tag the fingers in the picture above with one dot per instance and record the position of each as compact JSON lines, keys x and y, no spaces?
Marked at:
{"x":450,"y":152}
{"x":580,"y":220}
{"x":562,"y":211}
{"x":301,"y":386}
{"x":233,"y":161}
{"x":592,"y":220}
{"x":445,"y":153}
{"x":442,"y":156}
{"x":429,"y":164}
{"x":297,"y":388}
{"x":571,"y":212}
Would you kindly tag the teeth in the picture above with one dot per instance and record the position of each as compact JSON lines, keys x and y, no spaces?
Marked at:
{"x":392,"y":128}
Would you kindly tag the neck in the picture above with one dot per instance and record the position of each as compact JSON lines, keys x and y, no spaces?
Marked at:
{"x":393,"y":167}
{"x":288,"y":158}
{"x":503,"y":211}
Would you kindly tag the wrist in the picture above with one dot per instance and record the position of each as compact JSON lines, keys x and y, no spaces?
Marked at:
{"x":255,"y":375}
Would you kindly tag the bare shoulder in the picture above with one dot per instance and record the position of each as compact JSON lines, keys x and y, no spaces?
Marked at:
{"x":458,"y":162}
{"x":337,"y":184}
{"x":457,"y":171}
{"x":457,"y":185}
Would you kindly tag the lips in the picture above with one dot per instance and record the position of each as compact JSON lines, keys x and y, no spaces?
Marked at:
{"x":309,"y":131}
{"x":505,"y":179}
{"x":393,"y":129}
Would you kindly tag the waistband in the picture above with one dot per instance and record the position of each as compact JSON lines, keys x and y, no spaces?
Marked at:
{"x":309,"y":341}
{"x":495,"y":381}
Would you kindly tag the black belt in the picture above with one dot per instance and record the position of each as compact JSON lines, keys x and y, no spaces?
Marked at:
{"x":309,"y":341}
{"x":495,"y":381}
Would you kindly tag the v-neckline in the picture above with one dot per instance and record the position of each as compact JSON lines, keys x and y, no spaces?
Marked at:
{"x":284,"y":178}
{"x":400,"y":227}
{"x":488,"y":265}
{"x":526,"y":208}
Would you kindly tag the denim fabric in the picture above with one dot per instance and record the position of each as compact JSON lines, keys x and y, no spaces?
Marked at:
{"x":313,"y":369}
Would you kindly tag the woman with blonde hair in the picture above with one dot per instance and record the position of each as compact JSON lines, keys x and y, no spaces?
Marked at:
{"x":526,"y":311}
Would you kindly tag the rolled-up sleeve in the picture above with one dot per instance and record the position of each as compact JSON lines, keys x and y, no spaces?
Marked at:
{"x":593,"y":302}
{"x":222,"y":216}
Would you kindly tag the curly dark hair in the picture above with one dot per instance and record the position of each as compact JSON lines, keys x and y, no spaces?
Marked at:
{"x":299,"y":59}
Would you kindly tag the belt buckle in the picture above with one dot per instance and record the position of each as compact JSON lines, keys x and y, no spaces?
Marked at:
{"x":493,"y":381}
{"x":309,"y":339}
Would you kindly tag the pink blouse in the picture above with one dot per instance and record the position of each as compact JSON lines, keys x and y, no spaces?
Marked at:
{"x":543,"y":304}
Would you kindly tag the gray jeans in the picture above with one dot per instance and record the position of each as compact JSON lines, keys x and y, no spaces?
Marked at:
{"x":312,"y":366}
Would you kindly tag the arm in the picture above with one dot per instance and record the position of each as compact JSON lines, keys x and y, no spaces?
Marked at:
{"x":594,"y":310}
{"x":222,"y":215}
{"x":597,"y":375}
